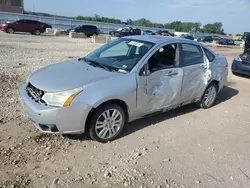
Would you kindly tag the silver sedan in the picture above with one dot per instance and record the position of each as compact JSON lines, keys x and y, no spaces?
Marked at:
{"x":124,"y":80}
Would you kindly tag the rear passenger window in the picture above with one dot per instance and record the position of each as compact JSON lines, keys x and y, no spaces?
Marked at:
{"x":31,"y":22}
{"x":209,"y":55}
{"x":191,"y":55}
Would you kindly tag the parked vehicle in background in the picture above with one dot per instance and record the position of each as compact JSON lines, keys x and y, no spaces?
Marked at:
{"x":148,"y":32}
{"x":112,"y":33}
{"x":127,"y":31}
{"x":246,"y":34}
{"x":45,"y":26}
{"x":239,"y":42}
{"x":190,"y":37}
{"x":164,"y":33}
{"x":30,"y":26}
{"x":241,"y":64}
{"x":216,"y":38}
{"x":205,"y":39}
{"x":124,"y":80}
{"x":88,"y":30}
{"x":225,"y":41}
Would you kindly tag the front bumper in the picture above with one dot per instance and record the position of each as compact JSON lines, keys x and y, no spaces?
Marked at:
{"x":241,"y":67}
{"x":66,"y":120}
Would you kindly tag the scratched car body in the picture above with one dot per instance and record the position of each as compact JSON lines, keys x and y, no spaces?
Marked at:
{"x":124,"y":80}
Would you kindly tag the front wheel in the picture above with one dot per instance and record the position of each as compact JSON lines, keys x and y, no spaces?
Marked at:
{"x":107,"y":123}
{"x":10,"y":30}
{"x":209,"y":96}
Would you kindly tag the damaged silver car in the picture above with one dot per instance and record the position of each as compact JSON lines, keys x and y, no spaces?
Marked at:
{"x":124,"y":80}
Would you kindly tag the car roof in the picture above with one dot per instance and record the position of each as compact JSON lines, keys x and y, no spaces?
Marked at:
{"x":160,"y":39}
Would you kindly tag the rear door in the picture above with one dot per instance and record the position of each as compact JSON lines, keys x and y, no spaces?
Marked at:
{"x":196,"y":72}
{"x":30,"y":25}
{"x":84,"y":29}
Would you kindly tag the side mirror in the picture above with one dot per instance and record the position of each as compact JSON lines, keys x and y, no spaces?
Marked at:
{"x":145,"y":70}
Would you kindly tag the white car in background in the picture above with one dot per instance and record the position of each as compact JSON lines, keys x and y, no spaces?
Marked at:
{"x":239,"y":42}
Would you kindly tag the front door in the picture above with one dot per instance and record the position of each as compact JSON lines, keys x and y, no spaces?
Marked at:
{"x":160,"y":88}
{"x":196,"y":72}
{"x":20,"y":26}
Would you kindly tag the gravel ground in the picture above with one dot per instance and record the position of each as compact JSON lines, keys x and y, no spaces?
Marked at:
{"x":187,"y":147}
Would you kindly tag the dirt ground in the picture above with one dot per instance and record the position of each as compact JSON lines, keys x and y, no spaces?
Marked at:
{"x":188,"y":147}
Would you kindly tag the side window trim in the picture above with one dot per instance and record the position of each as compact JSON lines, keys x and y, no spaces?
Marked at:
{"x":204,"y":50}
{"x":181,"y":54}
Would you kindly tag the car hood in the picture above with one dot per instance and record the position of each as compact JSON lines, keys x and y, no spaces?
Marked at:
{"x":68,"y":75}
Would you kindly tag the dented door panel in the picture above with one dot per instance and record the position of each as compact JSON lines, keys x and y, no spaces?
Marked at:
{"x":195,"y":80}
{"x":159,"y":90}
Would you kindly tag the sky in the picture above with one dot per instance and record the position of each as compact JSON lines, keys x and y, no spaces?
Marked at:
{"x":234,"y":14}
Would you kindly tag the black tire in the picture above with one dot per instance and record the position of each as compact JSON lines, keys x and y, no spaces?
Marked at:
{"x":37,"y":32}
{"x":10,"y":30}
{"x":203,"y":103}
{"x":95,"y":117}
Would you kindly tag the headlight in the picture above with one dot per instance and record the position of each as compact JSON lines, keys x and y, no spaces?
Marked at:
{"x":61,"y":99}
{"x":237,"y":58}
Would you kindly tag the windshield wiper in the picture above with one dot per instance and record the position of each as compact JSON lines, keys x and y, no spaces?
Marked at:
{"x":94,"y":63}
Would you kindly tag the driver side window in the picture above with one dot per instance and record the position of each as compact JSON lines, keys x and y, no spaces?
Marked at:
{"x":164,"y":58}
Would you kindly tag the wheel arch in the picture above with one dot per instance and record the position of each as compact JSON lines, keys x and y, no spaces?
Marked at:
{"x":119,"y":102}
{"x":10,"y":27}
{"x":216,"y":82}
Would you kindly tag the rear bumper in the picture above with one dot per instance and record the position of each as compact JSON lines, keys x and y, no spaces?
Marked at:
{"x":67,"y":120}
{"x":239,"y":67}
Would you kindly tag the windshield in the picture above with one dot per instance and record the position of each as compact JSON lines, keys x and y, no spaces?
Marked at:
{"x":120,"y":55}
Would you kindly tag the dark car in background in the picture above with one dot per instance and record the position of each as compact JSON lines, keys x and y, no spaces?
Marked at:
{"x":190,"y":37}
{"x":88,"y":30}
{"x":164,"y":33}
{"x":30,"y":26}
{"x":147,"y":32}
{"x":225,"y":41}
{"x":205,"y":39}
{"x":241,"y":64}
{"x":127,"y":31}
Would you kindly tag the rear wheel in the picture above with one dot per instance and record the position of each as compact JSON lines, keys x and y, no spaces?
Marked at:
{"x":10,"y":30}
{"x":37,"y":32}
{"x":209,"y":96}
{"x":107,"y":123}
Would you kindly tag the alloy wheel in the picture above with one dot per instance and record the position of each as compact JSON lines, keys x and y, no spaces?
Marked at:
{"x":108,"y":124}
{"x":210,"y":96}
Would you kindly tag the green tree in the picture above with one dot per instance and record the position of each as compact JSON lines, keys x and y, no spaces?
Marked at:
{"x":215,"y":28}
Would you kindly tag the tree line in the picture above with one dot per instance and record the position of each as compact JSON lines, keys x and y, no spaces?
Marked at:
{"x":214,"y":28}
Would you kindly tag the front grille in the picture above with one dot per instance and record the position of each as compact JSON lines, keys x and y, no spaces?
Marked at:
{"x":35,"y":93}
